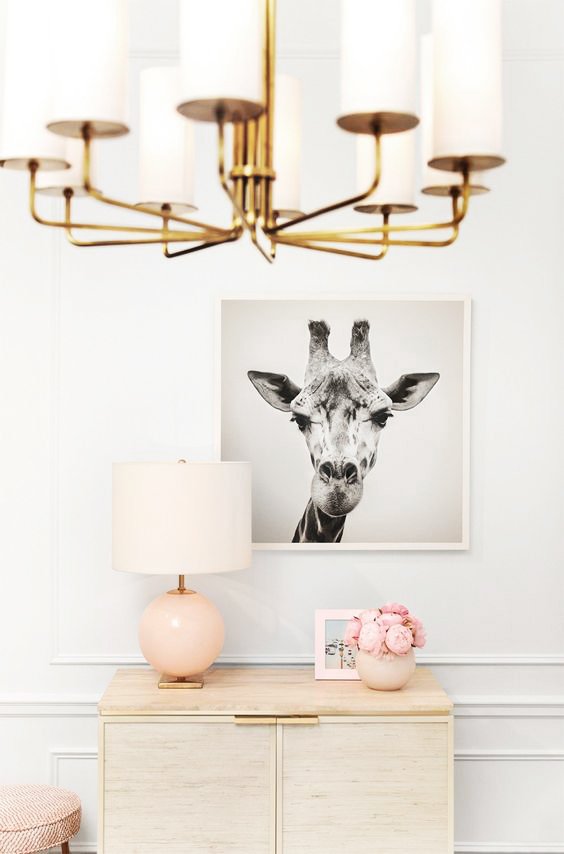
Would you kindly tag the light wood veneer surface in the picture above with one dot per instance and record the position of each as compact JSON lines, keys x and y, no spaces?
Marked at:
{"x":270,"y":691}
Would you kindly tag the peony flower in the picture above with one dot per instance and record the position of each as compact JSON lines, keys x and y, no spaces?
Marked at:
{"x":352,"y":632}
{"x":417,"y":629}
{"x":369,"y":616}
{"x":394,"y":608}
{"x":391,"y":620}
{"x":371,"y":638}
{"x":399,"y":640}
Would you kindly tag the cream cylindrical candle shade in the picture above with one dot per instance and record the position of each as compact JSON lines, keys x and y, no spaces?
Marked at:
{"x":434,"y":178}
{"x":378,"y":55}
{"x":220,"y":56}
{"x":467,"y":98}
{"x":54,"y":183}
{"x":28,"y":85}
{"x":397,"y":182}
{"x":287,"y":144}
{"x":90,"y":67}
{"x":166,"y":141}
{"x":181,"y":518}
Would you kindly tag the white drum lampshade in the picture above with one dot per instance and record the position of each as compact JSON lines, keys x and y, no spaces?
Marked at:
{"x":90,"y":67}
{"x":287,"y":146}
{"x":176,"y":519}
{"x":28,"y":86}
{"x":378,"y":56}
{"x":221,"y":59}
{"x":467,"y":60}
{"x":396,"y":191}
{"x":436,"y":182}
{"x":166,"y":143}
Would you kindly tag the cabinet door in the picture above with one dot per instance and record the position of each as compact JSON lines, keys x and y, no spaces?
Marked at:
{"x":370,"y":786}
{"x":185,"y":787}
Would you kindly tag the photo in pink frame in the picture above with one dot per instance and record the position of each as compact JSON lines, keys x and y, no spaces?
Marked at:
{"x":333,"y":658}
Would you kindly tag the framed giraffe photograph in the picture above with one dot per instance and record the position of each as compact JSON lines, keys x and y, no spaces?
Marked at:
{"x":354,"y":412}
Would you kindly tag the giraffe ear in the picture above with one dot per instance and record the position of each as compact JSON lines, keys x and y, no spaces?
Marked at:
{"x":410,"y":389}
{"x":276,"y":389}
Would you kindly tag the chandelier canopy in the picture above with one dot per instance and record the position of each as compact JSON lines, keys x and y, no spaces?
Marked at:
{"x":60,"y":105}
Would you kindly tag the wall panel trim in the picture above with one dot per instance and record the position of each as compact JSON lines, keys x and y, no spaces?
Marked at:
{"x":428,"y":659}
{"x":478,"y":706}
{"x":508,"y":848}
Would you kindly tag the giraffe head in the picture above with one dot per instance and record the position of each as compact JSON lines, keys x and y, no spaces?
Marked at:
{"x":341,"y":411}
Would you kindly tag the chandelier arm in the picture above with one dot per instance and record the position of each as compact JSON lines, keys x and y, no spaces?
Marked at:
{"x":164,"y":234}
{"x":175,"y":236}
{"x":288,"y":240}
{"x":333,"y":250}
{"x":250,"y":226}
{"x":460,"y":203}
{"x":107,"y":200}
{"x":384,"y":241}
{"x":235,"y":236}
{"x":345,"y":203}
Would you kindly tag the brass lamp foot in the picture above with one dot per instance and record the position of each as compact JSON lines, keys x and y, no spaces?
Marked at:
{"x":180,"y":681}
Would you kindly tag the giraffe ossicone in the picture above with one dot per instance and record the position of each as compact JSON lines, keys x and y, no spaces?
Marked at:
{"x":341,"y":411}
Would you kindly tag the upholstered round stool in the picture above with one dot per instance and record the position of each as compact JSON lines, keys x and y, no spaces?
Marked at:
{"x":33,"y":818}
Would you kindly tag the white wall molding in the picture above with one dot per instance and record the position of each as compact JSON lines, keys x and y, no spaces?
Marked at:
{"x":428,"y":659}
{"x":78,"y":755}
{"x":47,"y":706}
{"x":478,"y":706}
{"x":508,"y":848}
{"x":509,"y":755}
{"x":508,"y":706}
{"x":57,"y":756}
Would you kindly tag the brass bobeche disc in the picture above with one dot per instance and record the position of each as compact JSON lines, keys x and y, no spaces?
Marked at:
{"x":174,"y":208}
{"x":96,"y":128}
{"x":443,"y":190}
{"x":44,"y":164}
{"x":373,"y":123}
{"x":287,"y":213}
{"x":386,"y":209}
{"x":221,"y":110}
{"x":468,"y":163}
{"x":59,"y":191}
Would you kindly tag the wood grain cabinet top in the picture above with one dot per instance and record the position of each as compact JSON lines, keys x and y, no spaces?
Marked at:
{"x":272,"y":691}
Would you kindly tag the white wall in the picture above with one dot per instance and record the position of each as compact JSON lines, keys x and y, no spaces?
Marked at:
{"x":109,"y":354}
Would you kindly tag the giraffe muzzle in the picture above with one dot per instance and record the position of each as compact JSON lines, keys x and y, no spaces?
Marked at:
{"x":337,"y":487}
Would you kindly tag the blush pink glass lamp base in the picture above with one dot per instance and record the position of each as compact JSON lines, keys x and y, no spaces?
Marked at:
{"x":181,"y":634}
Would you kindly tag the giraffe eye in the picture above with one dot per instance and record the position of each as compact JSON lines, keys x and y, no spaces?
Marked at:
{"x":302,"y":421}
{"x":381,"y":418}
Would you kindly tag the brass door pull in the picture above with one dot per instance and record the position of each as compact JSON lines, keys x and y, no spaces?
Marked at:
{"x":264,"y":720}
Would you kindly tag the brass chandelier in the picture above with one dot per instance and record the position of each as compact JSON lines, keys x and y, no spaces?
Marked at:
{"x":60,"y":105}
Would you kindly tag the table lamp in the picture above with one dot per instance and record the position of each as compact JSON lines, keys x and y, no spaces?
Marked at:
{"x":178,"y":519}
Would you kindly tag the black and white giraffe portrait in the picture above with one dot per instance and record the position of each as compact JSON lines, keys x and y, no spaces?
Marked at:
{"x":353,"y":414}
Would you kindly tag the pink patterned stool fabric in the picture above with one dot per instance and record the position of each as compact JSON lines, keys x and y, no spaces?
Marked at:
{"x":33,"y":818}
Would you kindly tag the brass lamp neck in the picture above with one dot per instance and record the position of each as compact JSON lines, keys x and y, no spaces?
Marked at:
{"x":181,"y":590}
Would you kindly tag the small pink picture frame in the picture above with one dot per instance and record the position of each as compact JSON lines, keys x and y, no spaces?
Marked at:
{"x":333,"y":659}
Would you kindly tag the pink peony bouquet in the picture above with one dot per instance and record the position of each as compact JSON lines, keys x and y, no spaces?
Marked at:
{"x":385,"y":631}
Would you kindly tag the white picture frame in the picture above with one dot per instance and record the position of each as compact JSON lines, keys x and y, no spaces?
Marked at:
{"x":266,"y":306}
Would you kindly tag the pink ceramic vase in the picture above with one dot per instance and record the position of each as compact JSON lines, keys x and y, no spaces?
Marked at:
{"x":388,"y":673}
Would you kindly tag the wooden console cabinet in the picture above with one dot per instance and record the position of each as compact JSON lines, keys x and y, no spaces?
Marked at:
{"x":269,"y":761}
